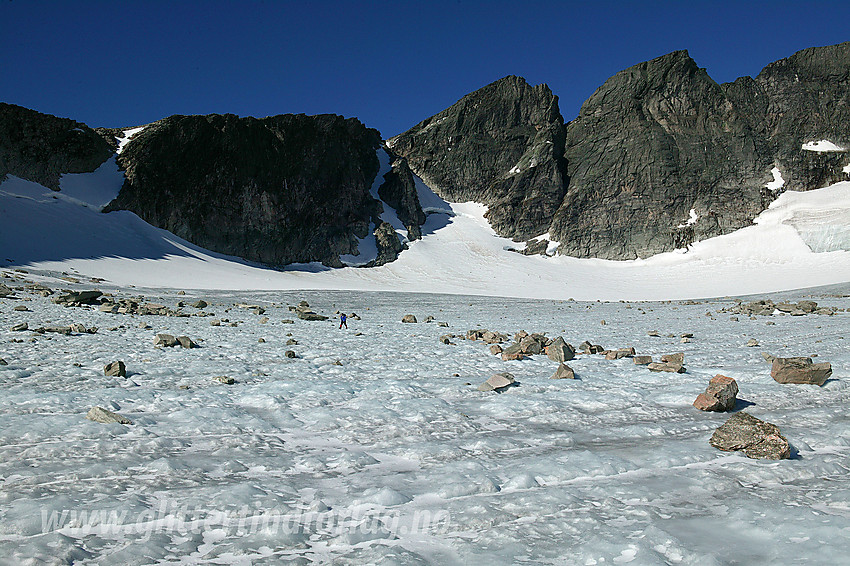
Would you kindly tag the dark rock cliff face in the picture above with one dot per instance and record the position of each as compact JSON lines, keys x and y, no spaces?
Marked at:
{"x":501,"y":146}
{"x":40,"y":147}
{"x":801,"y":99}
{"x":399,"y":191}
{"x":283,"y":189}
{"x":652,"y":144}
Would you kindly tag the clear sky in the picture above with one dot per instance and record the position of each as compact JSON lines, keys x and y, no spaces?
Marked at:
{"x":391,"y":64}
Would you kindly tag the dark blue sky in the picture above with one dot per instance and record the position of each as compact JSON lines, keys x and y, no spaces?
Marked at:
{"x":391,"y":64}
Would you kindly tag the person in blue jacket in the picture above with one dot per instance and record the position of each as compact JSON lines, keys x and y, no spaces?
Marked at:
{"x":343,"y":321}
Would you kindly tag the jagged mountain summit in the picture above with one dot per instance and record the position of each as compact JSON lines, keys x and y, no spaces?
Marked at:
{"x":659,"y":157}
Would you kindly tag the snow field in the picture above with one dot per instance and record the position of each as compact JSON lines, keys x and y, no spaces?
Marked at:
{"x":801,"y":241}
{"x":613,"y":466}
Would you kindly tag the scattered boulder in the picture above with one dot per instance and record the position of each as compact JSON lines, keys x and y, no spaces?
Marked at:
{"x":166,"y":340}
{"x":443,"y":324}
{"x":115,"y":369}
{"x":495,"y":349}
{"x":21,"y":308}
{"x":587,"y":348}
{"x":752,"y":436}
{"x":20,"y":327}
{"x":677,"y":358}
{"x":619,"y":354}
{"x":497,"y":382}
{"x":563,"y":372}
{"x":66,"y":330}
{"x":292,"y":342}
{"x":654,"y":333}
{"x":186,"y":342}
{"x":560,"y":351}
{"x":409,"y":318}
{"x":3,"y":362}
{"x":768,"y":358}
{"x":752,"y":343}
{"x":800,"y":370}
{"x":446,"y":338}
{"x":224,"y":379}
{"x":101,"y":415}
{"x":719,"y":396}
{"x":669,"y":362}
{"x":289,"y":353}
{"x":304,"y":313}
{"x":533,"y":344}
{"x":513,"y":352}
{"x":642,"y":360}
{"x":430,"y":319}
{"x":77,"y":298}
{"x":200,"y":304}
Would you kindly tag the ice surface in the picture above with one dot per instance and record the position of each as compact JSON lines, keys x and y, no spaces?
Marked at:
{"x":392,"y":458}
{"x":822,"y":145}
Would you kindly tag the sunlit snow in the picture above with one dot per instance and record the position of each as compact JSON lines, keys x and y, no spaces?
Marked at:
{"x":778,"y":182}
{"x":822,"y":145}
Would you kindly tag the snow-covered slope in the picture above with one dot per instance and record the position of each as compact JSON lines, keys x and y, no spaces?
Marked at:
{"x":800,"y":241}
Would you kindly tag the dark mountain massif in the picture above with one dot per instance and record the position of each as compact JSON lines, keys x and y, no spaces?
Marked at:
{"x":40,"y":147}
{"x":658,"y":157}
{"x":278,"y":190}
{"x":652,"y":144}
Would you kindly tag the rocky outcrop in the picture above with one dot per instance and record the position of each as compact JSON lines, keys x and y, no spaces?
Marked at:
{"x":282,"y":189}
{"x":502,"y":146}
{"x":399,"y":191}
{"x":40,"y":147}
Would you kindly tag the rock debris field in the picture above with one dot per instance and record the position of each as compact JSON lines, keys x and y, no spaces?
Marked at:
{"x":240,"y":429}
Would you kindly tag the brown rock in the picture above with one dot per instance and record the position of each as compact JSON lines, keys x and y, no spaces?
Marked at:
{"x":563,"y":372}
{"x":800,"y":370}
{"x":664,"y":366}
{"x":495,"y":349}
{"x":643,"y":360}
{"x":719,"y":396}
{"x":497,"y":382}
{"x":409,"y":318}
{"x":678,"y":358}
{"x":512,"y":352}
{"x":116,"y":369}
{"x":754,"y":437}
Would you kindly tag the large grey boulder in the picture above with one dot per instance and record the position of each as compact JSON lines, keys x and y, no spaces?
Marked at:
{"x":497,"y":382}
{"x":166,"y":340}
{"x":563,"y":372}
{"x":800,"y":370}
{"x":560,"y":351}
{"x":754,"y":437}
{"x":101,"y":415}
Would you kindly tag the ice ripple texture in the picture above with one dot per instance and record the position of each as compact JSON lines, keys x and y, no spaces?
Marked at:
{"x":394,"y":457}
